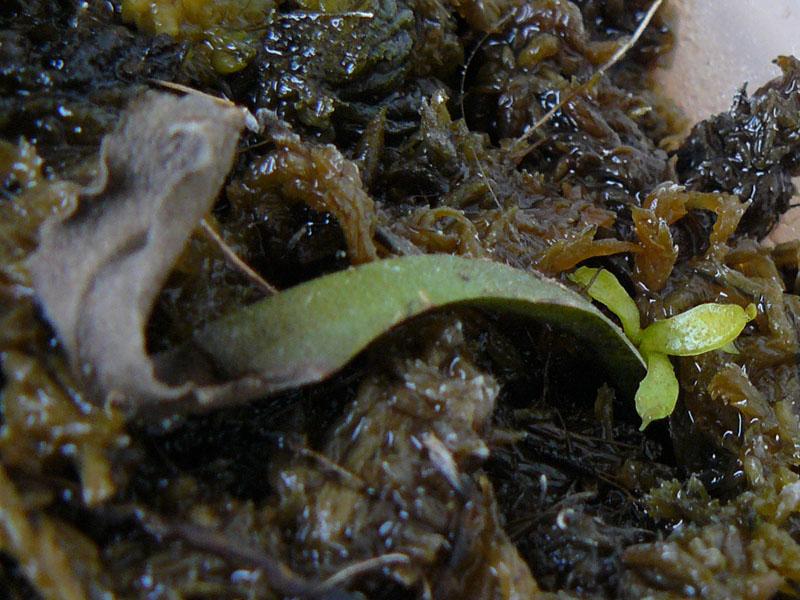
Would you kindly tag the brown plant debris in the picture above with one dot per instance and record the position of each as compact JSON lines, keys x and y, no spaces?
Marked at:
{"x":98,"y":271}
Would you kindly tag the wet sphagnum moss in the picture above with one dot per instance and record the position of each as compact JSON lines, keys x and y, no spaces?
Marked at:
{"x":572,"y":498}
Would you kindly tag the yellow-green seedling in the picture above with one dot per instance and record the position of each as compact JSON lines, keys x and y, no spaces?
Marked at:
{"x":701,"y":329}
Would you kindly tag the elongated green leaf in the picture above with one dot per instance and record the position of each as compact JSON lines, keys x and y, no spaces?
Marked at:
{"x":701,"y":329}
{"x":658,"y":391}
{"x":308,"y":332}
{"x":604,"y":287}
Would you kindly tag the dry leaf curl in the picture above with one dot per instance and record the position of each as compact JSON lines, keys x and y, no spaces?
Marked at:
{"x":99,"y":270}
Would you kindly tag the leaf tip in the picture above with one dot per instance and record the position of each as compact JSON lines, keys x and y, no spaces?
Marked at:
{"x":751,"y":311}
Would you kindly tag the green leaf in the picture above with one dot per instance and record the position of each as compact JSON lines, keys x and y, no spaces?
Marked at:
{"x":604,"y":287}
{"x":658,"y":391}
{"x":701,"y":329}
{"x":308,"y":332}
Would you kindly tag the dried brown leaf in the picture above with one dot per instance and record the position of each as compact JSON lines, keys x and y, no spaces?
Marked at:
{"x":99,"y":270}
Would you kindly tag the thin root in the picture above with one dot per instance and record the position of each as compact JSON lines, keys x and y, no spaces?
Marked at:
{"x":235,"y":261}
{"x":350,"y":572}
